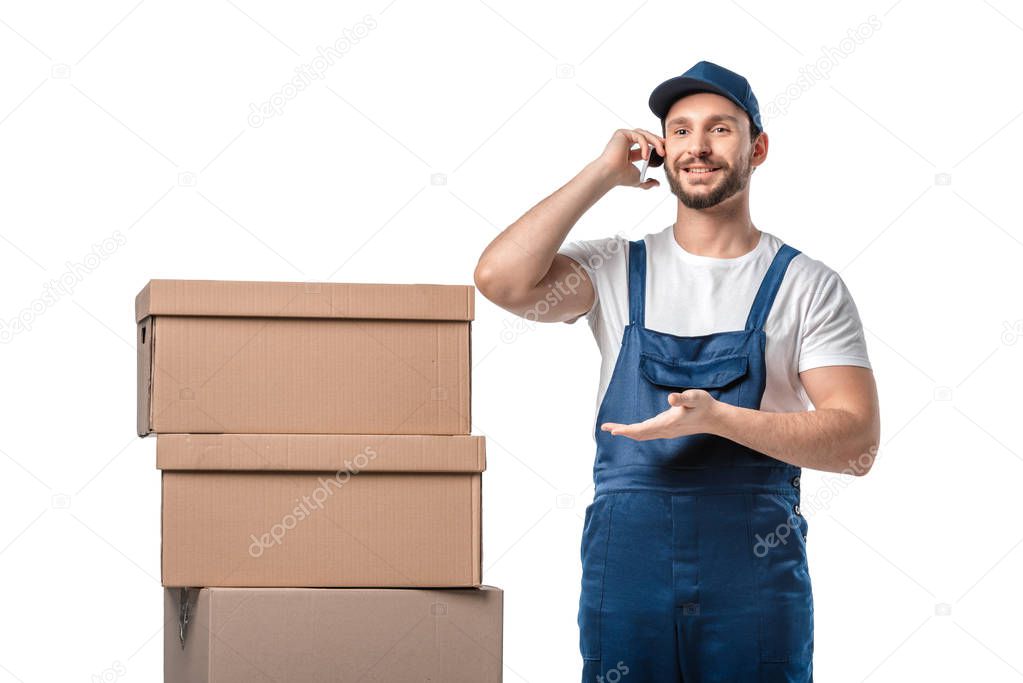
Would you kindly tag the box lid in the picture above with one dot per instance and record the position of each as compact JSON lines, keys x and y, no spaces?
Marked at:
{"x":321,"y":452}
{"x":304,"y":300}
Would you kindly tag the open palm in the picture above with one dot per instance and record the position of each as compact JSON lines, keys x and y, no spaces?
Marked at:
{"x":689,"y":413}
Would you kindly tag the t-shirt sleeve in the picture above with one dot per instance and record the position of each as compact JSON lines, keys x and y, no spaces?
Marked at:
{"x":832,"y":333}
{"x":591,"y":255}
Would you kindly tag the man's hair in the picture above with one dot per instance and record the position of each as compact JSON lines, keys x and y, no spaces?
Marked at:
{"x":753,"y":132}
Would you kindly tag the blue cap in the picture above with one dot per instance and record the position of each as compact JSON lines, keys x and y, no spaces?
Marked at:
{"x":706,"y":77}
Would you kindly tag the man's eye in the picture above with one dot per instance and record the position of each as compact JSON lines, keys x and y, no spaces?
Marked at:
{"x":680,"y":130}
{"x":721,"y":128}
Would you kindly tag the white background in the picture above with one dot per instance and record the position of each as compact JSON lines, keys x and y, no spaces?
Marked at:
{"x":130,"y":122}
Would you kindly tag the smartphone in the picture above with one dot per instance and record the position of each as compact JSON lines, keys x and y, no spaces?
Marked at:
{"x":653,"y":159}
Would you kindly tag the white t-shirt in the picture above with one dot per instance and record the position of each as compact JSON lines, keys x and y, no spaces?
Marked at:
{"x":813,"y":321}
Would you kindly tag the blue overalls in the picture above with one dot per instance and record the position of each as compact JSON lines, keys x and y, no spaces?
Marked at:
{"x":693,"y":549}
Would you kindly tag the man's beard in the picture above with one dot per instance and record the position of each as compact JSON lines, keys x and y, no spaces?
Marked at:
{"x":734,"y":180}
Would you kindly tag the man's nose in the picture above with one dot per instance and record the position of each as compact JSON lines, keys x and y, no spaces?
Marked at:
{"x":698,"y":146}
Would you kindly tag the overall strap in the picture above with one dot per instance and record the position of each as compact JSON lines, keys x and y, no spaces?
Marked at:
{"x":637,"y":282}
{"x":769,"y":287}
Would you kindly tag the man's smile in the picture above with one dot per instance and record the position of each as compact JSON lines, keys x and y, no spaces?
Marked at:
{"x":701,"y":171}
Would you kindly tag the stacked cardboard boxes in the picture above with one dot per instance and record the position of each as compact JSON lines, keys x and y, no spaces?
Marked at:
{"x":321,"y":508}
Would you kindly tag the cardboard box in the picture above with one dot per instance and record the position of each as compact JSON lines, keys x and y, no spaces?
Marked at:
{"x":312,"y":510}
{"x":296,"y":635}
{"x":303,"y":358}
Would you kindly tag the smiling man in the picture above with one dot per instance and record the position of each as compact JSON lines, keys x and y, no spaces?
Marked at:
{"x":731,"y":360}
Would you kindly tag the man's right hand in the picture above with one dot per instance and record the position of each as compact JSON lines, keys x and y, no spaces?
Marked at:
{"x":521,"y":270}
{"x":618,"y":157}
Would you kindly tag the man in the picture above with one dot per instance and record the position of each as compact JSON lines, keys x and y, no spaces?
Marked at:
{"x":717,"y":340}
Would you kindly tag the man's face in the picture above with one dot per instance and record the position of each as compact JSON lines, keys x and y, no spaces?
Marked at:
{"x":707,"y":131}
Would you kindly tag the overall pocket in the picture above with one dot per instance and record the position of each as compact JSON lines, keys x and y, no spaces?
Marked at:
{"x":593,"y":553}
{"x":713,"y":376}
{"x":784,"y":595}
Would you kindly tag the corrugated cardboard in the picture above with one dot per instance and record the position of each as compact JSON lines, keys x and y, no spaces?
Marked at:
{"x":219,"y":356}
{"x":311,"y":510}
{"x":320,"y":635}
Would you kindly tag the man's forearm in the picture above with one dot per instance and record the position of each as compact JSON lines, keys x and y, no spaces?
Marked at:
{"x":522,"y":254}
{"x":833,"y":439}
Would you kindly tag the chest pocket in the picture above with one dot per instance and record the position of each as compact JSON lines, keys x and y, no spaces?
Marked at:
{"x":714,"y":375}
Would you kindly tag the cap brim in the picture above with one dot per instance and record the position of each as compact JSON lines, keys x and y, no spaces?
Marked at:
{"x":673,"y":89}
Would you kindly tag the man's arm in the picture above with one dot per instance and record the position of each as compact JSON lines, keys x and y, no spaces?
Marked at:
{"x":521,"y":266}
{"x":840,"y":435}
